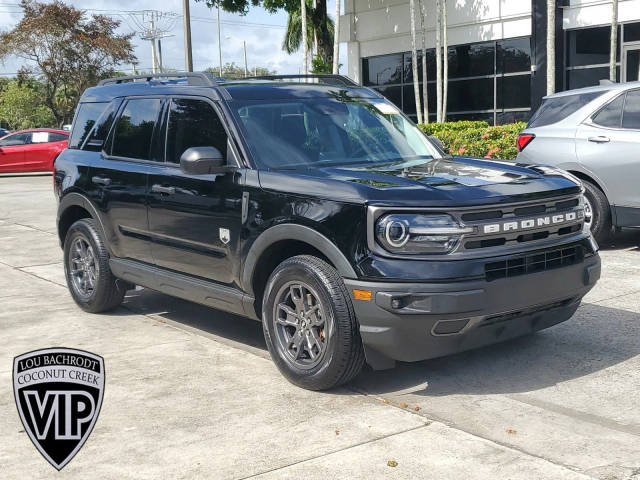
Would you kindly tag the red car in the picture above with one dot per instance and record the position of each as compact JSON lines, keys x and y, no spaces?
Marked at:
{"x":31,"y":150}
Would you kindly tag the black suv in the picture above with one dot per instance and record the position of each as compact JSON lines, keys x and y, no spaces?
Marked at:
{"x":314,"y":205}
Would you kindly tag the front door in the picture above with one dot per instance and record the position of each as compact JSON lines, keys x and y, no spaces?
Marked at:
{"x":195,"y":220}
{"x":12,"y":152}
{"x":631,"y":62}
{"x":119,"y":177}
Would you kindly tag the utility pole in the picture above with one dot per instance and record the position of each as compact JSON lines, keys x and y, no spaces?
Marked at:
{"x":244,"y":47}
{"x":219,"y":40}
{"x":154,"y":55}
{"x":186,"y":15}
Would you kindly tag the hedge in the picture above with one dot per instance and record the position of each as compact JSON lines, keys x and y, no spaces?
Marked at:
{"x":477,"y":139}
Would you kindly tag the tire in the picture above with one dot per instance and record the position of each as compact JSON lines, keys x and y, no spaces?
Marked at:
{"x":601,"y":212}
{"x":107,"y":292}
{"x":339,"y":356}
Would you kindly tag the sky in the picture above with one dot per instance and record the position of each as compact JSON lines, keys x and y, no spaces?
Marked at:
{"x":264,"y":40}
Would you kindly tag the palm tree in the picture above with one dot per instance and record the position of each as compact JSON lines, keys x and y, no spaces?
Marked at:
{"x":551,"y":46}
{"x":438,"y":60}
{"x":317,"y":25}
{"x":614,"y":41}
{"x":336,"y":40}
{"x":425,"y":95}
{"x":445,"y":61}
{"x":303,"y":27}
{"x":414,"y":59}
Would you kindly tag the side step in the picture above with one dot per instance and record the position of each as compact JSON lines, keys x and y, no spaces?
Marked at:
{"x":183,"y":286}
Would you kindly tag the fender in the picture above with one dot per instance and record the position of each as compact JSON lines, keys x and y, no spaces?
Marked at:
{"x":78,"y":199}
{"x":292,"y":231}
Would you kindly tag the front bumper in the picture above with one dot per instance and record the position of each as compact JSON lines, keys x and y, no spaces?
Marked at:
{"x":417,"y":321}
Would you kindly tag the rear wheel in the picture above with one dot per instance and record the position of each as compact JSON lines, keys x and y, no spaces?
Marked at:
{"x":86,"y":267}
{"x":310,"y":326}
{"x":597,"y":212}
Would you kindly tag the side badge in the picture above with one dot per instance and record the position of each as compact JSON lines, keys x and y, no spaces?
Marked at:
{"x":225,"y":235}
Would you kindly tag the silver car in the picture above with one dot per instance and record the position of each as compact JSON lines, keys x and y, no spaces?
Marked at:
{"x":593,"y":133}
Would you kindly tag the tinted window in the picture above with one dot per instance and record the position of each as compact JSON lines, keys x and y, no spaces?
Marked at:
{"x":15,"y":140}
{"x":588,"y":77}
{"x":611,"y":114}
{"x":465,"y":95}
{"x":471,"y":60}
{"x":631,"y":117}
{"x":392,"y":93}
{"x":193,"y":123}
{"x":514,"y":55}
{"x":632,"y":32}
{"x":589,"y":46}
{"x":555,"y":109}
{"x":58,"y":137}
{"x":514,"y":92}
{"x":103,"y":125}
{"x":382,"y":70}
{"x":134,"y":129}
{"x":86,"y":117}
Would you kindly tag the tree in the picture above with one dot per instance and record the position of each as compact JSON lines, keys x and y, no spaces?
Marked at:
{"x":438,"y":60}
{"x":233,"y":71}
{"x":70,"y":51}
{"x":414,"y":60}
{"x":445,"y":67}
{"x":336,"y":40}
{"x":21,"y":105}
{"x":614,"y":41}
{"x":425,"y":95}
{"x":551,"y":46}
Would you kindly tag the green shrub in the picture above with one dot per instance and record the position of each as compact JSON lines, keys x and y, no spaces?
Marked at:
{"x":477,"y":139}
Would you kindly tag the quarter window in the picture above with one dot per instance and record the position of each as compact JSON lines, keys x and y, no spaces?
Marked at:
{"x":611,"y":115}
{"x":631,"y":116}
{"x":134,"y":130}
{"x":86,"y":117}
{"x":193,"y":123}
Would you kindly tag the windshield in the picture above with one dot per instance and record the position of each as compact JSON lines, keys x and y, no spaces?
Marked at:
{"x":336,"y":131}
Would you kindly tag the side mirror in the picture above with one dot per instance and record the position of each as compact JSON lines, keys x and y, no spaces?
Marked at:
{"x":202,"y":161}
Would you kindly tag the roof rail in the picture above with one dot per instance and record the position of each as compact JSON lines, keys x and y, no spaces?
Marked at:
{"x":340,"y":79}
{"x":200,"y":79}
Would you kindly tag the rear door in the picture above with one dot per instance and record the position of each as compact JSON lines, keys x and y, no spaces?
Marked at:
{"x":42,"y":149}
{"x":195,"y":220}
{"x":12,"y":152}
{"x":119,"y":176}
{"x":608,"y":144}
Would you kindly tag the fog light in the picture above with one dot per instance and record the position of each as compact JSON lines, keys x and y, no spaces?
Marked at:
{"x":396,"y":303}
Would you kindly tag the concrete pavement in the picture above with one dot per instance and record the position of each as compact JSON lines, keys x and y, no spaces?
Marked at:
{"x":191,"y":392}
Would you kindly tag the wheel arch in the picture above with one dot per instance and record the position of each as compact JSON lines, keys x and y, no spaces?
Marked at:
{"x":73,"y":207}
{"x":285,"y":241}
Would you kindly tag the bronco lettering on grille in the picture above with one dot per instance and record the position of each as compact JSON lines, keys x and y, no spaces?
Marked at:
{"x":535,"y":222}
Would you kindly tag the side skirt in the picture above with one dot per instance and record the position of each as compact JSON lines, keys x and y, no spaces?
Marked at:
{"x":185,"y":287}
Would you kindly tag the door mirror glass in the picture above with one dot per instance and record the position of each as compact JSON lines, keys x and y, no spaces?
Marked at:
{"x":202,"y":161}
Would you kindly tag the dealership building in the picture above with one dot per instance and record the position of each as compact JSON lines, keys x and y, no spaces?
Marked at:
{"x":496,"y":51}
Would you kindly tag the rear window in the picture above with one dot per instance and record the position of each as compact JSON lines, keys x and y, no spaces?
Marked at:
{"x":555,"y":109}
{"x":86,"y":117}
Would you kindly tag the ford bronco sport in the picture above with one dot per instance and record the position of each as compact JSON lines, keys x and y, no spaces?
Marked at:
{"x":313,"y":205}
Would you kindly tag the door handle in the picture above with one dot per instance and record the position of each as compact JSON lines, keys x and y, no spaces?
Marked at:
{"x":160,"y":189}
{"x":599,"y":139}
{"x":101,"y":181}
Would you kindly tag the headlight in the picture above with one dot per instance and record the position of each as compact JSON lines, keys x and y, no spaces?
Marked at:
{"x":419,"y":233}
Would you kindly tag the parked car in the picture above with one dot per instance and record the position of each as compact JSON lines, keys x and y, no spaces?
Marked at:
{"x":31,"y":150}
{"x":319,"y":209}
{"x":594,"y":133}
{"x":4,"y":132}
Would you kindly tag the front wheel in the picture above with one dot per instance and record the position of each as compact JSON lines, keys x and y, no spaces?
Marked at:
{"x":310,"y":326}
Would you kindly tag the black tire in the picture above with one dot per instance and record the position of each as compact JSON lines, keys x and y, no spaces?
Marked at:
{"x":601,"y":212}
{"x":107,"y":292}
{"x":343,"y":354}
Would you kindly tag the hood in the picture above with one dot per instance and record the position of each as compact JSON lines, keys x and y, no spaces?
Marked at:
{"x":447,"y":181}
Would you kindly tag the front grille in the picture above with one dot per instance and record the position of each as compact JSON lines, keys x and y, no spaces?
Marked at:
{"x":518,"y":213}
{"x":539,"y":261}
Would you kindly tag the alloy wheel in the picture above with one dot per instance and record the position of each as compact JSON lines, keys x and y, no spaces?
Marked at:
{"x":83,"y":267}
{"x":588,"y":213}
{"x":301,"y":325}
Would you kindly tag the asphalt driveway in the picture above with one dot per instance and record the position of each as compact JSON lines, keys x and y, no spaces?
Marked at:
{"x":191,"y":393}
